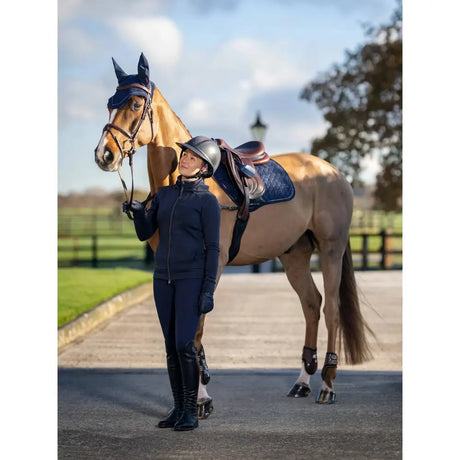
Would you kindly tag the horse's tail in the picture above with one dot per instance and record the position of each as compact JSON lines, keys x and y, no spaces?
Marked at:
{"x":353,"y":327}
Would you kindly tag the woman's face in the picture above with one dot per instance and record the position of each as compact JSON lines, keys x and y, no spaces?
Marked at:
{"x":190,"y":164}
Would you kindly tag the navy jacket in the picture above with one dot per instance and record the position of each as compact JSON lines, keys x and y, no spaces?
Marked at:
{"x":187,"y":215}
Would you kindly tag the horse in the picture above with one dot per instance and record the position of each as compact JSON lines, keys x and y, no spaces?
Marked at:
{"x":319,"y":217}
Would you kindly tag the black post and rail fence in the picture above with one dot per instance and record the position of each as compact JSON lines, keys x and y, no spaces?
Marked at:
{"x":371,"y":251}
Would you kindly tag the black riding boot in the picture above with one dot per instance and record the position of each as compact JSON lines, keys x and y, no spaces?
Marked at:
{"x":175,"y":380}
{"x":190,"y":375}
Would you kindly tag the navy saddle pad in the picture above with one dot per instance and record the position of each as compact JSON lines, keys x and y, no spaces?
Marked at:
{"x":278,"y":185}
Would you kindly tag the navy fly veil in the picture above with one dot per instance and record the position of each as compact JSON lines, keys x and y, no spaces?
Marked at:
{"x":122,"y":94}
{"x":132,"y":85}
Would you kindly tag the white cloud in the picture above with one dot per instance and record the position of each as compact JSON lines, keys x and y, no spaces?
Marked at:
{"x":158,"y":37}
{"x":81,"y":112}
{"x":76,"y":45}
{"x":217,"y":88}
{"x":267,"y":63}
{"x":199,"y":110}
{"x":94,"y":8}
{"x":80,"y":101}
{"x":68,"y":8}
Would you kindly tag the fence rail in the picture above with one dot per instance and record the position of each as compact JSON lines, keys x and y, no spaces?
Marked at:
{"x":89,"y":221}
{"x":377,"y":250}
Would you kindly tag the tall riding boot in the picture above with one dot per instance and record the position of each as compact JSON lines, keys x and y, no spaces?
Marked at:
{"x":190,"y":375}
{"x":175,"y":380}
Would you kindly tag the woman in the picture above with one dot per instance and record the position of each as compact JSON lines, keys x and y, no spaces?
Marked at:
{"x":187,"y":215}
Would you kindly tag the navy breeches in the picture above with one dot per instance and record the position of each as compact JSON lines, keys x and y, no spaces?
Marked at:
{"x":177,"y":308}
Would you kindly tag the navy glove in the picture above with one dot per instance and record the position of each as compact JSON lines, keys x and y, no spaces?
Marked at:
{"x":136,"y":206}
{"x":206,"y":302}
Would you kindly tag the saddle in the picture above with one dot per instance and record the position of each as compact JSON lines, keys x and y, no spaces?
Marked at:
{"x":240,"y":163}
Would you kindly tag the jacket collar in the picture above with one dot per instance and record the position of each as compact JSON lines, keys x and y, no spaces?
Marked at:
{"x":192,"y":185}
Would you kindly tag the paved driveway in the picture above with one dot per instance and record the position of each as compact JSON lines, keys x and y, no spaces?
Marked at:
{"x":113,"y":385}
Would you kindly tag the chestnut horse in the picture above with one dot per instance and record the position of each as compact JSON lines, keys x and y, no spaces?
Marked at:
{"x":319,"y":217}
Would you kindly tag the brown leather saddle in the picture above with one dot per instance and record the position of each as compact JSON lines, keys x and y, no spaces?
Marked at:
{"x":240,"y":163}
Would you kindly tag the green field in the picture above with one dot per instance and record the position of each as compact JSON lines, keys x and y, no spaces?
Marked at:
{"x":90,"y":221}
{"x":108,"y":247}
{"x":374,"y":243}
{"x":374,"y":221}
{"x":81,"y":289}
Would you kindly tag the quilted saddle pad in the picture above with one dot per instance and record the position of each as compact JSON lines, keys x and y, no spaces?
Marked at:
{"x":278,"y":185}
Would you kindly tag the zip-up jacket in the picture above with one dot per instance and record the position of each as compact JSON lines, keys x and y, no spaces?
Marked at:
{"x":187,"y":216}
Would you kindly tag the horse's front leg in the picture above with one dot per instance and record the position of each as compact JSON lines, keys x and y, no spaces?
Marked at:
{"x":204,"y":372}
{"x":204,"y":402}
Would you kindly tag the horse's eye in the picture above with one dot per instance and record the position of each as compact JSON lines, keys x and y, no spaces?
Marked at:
{"x":135,"y":105}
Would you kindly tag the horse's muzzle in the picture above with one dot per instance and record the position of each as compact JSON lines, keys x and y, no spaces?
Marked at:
{"x":105,"y":160}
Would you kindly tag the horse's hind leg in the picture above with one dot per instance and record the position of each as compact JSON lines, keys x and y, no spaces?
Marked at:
{"x":297,"y":266}
{"x":331,"y":255}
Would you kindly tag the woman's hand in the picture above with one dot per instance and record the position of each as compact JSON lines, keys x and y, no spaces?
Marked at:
{"x":136,"y":206}
{"x":206,"y":302}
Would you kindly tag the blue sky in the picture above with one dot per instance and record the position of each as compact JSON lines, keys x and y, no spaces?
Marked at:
{"x":216,"y":62}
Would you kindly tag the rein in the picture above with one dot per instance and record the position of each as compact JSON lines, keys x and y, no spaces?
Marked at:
{"x":131,"y":137}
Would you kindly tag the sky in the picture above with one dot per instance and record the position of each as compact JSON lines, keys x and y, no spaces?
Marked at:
{"x":217,"y":63}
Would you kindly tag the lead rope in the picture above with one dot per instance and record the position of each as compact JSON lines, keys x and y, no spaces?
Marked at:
{"x":125,"y":189}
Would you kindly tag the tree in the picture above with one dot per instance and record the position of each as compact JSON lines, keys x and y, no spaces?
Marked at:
{"x":362,"y":102}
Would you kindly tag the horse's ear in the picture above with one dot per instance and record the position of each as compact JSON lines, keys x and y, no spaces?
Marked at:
{"x":143,"y":70}
{"x":119,"y":72}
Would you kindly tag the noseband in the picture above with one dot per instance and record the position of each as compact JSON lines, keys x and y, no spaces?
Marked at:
{"x":109,"y":127}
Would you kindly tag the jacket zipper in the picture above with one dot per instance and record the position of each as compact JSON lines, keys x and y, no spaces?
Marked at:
{"x":170,"y":231}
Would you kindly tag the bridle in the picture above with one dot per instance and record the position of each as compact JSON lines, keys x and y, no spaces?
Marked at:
{"x":131,"y":138}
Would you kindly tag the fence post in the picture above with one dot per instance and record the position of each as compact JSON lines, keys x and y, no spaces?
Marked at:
{"x":365,"y":252}
{"x":383,"y":250}
{"x":74,"y":262}
{"x":94,"y":251}
{"x":388,"y":248}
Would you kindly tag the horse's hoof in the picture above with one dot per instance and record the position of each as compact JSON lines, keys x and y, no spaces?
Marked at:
{"x":205,"y":408}
{"x":299,"y":390}
{"x":326,"y":397}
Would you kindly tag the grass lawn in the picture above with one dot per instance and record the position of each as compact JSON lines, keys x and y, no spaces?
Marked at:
{"x":80,"y":289}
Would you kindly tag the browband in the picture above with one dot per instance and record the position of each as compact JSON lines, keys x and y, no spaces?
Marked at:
{"x":134,"y":85}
